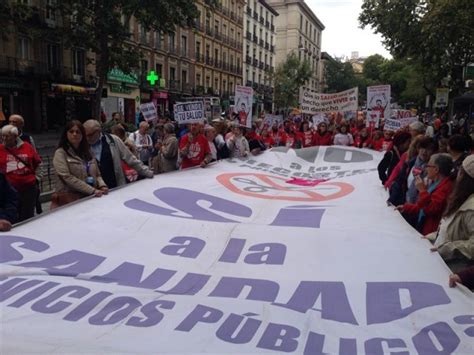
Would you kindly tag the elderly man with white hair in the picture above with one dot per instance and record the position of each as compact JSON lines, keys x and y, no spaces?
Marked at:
{"x":19,"y":161}
{"x":143,"y":142}
{"x":18,"y":121}
{"x":110,"y":152}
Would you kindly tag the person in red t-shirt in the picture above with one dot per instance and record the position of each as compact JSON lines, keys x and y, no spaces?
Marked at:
{"x":19,"y":161}
{"x":194,"y":148}
{"x":267,"y":139}
{"x":307,"y":135}
{"x":322,"y":136}
{"x":362,"y":139}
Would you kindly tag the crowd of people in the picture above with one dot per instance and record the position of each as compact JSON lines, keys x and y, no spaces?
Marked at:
{"x":428,"y":170}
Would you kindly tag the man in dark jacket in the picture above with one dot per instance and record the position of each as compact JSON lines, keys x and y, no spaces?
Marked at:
{"x":8,"y":204}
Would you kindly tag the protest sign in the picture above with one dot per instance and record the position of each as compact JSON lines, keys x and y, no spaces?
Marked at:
{"x":243,"y":104}
{"x":270,"y":119}
{"x":233,"y":259}
{"x":148,"y":111}
{"x":378,"y":100}
{"x":442,"y":97}
{"x":396,"y":124}
{"x":189,"y":112}
{"x":343,"y":101}
{"x":317,"y":119}
{"x":399,"y":113}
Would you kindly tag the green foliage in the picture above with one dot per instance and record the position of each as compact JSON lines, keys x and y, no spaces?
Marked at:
{"x":288,"y":78}
{"x":372,"y":67}
{"x":340,"y":76}
{"x":437,"y":34}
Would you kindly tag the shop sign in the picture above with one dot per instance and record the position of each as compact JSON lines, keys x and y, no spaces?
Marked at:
{"x":120,"y":89}
{"x":160,"y":95}
{"x":118,"y":75}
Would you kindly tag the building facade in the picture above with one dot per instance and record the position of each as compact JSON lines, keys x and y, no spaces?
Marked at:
{"x":259,"y":52}
{"x":41,"y":79}
{"x":299,"y":31}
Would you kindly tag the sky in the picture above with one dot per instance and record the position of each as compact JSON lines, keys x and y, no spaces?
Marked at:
{"x":342,"y":34}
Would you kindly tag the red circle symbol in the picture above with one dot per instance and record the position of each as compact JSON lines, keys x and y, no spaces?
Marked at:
{"x":275,"y":188}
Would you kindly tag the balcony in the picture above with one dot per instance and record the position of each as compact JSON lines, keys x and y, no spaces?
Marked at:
{"x":255,"y":62}
{"x":209,"y":61}
{"x":199,"y":26}
{"x":225,"y":66}
{"x":249,"y":36}
{"x":261,"y":65}
{"x":248,"y":83}
{"x":199,"y":90}
{"x":172,"y":50}
{"x":199,"y":58}
{"x":255,"y":86}
{"x":261,"y":42}
{"x":272,"y":27}
{"x":217,"y":35}
{"x":267,"y":24}
{"x":209,"y":31}
{"x":267,"y":45}
{"x":184,"y":52}
{"x":267,"y":67}
{"x":187,"y":88}
{"x":262,"y":20}
{"x":272,"y":49}
{"x":255,"y":15}
{"x":233,"y":16}
{"x":248,"y":60}
{"x":174,"y":85}
{"x":255,"y":39}
{"x":249,"y":11}
{"x":217,"y":63}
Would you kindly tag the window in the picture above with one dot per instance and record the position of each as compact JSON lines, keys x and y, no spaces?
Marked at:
{"x":53,"y":56}
{"x":254,"y":30}
{"x":266,"y":59}
{"x":208,"y":51}
{"x":143,"y":35}
{"x":172,"y":42}
{"x":301,"y":22}
{"x":50,"y":12}
{"x":216,"y":27}
{"x":158,"y":40}
{"x":144,"y":66}
{"x":23,"y":48}
{"x":159,"y":69}
{"x":224,"y":29}
{"x":78,"y":63}
{"x":216,"y":84}
{"x":198,"y":79}
{"x":184,"y":46}
{"x":184,"y":76}
{"x":248,"y":25}
{"x":172,"y":73}
{"x":216,"y":54}
{"x":198,"y":49}
{"x":208,"y":82}
{"x":247,"y":50}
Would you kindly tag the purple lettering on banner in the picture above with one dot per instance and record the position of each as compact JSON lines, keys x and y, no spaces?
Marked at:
{"x":152,"y":314}
{"x":279,"y":337}
{"x":375,"y":346}
{"x":186,"y":247}
{"x":347,"y":346}
{"x":87,"y":306}
{"x":186,"y":201}
{"x":233,"y":250}
{"x":9,"y":253}
{"x":299,"y":216}
{"x":266,"y":253}
{"x":200,"y":314}
{"x":130,"y":274}
{"x":75,"y":261}
{"x":467,"y":319}
{"x":115,"y":311}
{"x":35,"y":293}
{"x":260,"y":290}
{"x":315,"y":344}
{"x":334,"y":302}
{"x":45,"y":305}
{"x":14,"y":286}
{"x":226,"y":331}
{"x":384,"y":305}
{"x":189,"y":285}
{"x":444,"y":336}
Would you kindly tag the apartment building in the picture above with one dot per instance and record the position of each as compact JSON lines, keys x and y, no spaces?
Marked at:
{"x":298,"y":30}
{"x":259,"y":51}
{"x":41,"y":79}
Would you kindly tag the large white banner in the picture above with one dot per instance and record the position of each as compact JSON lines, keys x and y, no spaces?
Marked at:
{"x":244,"y":256}
{"x":378,"y":102}
{"x":243,"y":105}
{"x":343,"y":101}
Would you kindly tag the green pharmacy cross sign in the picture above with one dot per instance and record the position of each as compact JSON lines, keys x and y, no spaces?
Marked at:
{"x":152,"y":77}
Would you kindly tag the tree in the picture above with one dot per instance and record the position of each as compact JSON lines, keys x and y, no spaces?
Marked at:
{"x":372,"y":67}
{"x":340,"y":76}
{"x":435,"y":33}
{"x":288,"y":78}
{"x":103,"y":28}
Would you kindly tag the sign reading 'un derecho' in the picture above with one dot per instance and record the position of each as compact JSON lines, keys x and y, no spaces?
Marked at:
{"x":341,"y":101}
{"x":189,"y":112}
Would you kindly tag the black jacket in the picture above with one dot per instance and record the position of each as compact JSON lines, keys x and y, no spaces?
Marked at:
{"x":8,"y":200}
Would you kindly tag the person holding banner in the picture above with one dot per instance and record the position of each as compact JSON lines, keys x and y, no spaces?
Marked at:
{"x":432,"y":199}
{"x":322,"y":136}
{"x":194,"y":148}
{"x":343,"y":137}
{"x":454,"y":240}
{"x":401,"y":142}
{"x":307,"y":134}
{"x":237,"y":143}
